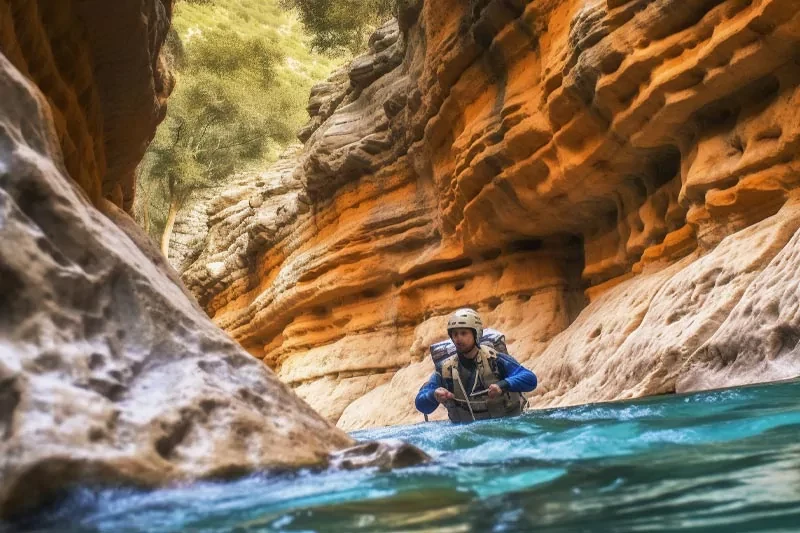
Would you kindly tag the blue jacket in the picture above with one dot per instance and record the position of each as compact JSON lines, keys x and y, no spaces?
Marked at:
{"x":514,"y":378}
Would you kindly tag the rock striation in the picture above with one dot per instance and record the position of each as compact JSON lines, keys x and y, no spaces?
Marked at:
{"x":612,"y":183}
{"x":110,"y":372}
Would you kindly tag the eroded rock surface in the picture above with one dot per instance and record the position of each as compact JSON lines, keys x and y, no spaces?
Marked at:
{"x":608,"y":182}
{"x":109,"y":372}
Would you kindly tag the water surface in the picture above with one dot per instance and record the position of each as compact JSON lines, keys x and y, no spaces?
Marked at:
{"x":718,"y":461}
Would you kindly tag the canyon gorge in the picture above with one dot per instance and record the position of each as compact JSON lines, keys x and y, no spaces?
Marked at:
{"x":612,"y":184}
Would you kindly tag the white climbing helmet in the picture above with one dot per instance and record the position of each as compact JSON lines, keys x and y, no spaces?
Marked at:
{"x":466,"y":318}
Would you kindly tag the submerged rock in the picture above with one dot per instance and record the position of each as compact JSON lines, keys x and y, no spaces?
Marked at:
{"x":385,"y":455}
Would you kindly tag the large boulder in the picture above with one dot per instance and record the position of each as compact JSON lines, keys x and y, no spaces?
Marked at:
{"x":109,"y":372}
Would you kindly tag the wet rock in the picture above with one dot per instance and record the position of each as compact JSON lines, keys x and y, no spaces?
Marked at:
{"x":385,"y":455}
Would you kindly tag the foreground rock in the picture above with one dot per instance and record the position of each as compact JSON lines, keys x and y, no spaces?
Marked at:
{"x":109,"y":373}
{"x":611,"y":183}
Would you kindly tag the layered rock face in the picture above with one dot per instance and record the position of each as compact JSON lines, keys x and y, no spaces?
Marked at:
{"x":610,"y":183}
{"x":109,"y":371}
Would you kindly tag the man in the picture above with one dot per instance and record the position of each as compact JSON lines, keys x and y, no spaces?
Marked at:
{"x":477,"y":382}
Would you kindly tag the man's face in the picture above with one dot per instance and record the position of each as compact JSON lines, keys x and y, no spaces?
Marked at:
{"x":463,"y":338}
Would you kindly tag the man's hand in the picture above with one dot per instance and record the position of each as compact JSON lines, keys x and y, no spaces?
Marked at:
{"x":442,"y":395}
{"x":494,"y":390}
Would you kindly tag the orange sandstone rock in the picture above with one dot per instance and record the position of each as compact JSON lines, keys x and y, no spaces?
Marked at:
{"x":99,"y":66}
{"x":603,"y":180}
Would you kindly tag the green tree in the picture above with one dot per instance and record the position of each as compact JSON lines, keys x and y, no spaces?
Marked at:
{"x":223,"y":116}
{"x":341,"y":25}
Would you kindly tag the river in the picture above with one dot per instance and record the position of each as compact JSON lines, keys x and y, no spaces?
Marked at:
{"x":725,"y":460}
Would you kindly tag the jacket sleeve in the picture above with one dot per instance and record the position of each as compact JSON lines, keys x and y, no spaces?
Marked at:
{"x":426,"y":403}
{"x":517,"y":378}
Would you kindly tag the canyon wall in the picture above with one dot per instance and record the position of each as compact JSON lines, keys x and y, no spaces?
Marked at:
{"x":99,"y":66}
{"x":109,"y":371}
{"x":611,"y":183}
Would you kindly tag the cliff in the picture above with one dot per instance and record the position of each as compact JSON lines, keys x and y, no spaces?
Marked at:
{"x":101,"y":71}
{"x":109,"y":371}
{"x":611,"y":183}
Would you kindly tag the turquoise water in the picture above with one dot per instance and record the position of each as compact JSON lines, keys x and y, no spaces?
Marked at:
{"x":719,"y":461}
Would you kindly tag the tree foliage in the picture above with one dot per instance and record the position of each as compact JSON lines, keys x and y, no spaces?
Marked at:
{"x":341,"y":25}
{"x":224,"y":114}
{"x":244,"y":69}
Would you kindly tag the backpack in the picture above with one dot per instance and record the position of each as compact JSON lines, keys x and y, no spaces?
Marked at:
{"x":444,"y":349}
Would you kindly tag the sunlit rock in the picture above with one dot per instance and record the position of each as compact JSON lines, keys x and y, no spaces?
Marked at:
{"x":607,"y":182}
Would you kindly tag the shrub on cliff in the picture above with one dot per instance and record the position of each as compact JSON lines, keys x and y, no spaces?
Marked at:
{"x":223,"y":115}
{"x":243,"y":75}
{"x":341,"y":24}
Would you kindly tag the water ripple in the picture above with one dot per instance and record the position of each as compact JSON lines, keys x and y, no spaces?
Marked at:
{"x":718,"y":461}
